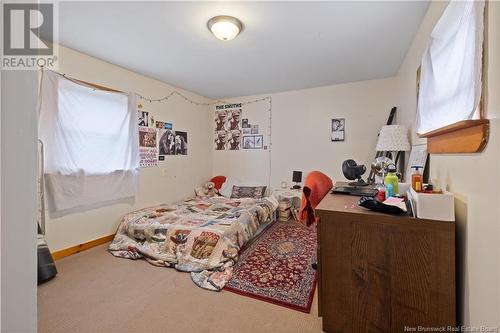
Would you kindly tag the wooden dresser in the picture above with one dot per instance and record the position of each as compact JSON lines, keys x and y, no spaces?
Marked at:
{"x":380,"y":272}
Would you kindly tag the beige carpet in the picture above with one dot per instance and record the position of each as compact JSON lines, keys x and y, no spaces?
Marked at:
{"x":96,"y":292}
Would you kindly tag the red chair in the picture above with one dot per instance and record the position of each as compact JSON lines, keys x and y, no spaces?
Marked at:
{"x":218,"y":181}
{"x":316,"y":186}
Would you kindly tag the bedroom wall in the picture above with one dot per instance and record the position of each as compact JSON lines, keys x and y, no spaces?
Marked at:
{"x":473,"y":178}
{"x":18,"y":201}
{"x":301,"y":125}
{"x":171,"y":180}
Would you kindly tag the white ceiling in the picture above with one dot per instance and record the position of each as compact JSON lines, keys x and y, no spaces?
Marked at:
{"x":283,"y":45}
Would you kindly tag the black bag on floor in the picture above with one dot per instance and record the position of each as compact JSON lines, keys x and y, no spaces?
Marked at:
{"x":46,"y":266}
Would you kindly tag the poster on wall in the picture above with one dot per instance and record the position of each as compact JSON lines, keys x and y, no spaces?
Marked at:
{"x":181,"y":143}
{"x":338,"y":129}
{"x":143,"y":118}
{"x":172,"y":142}
{"x":166,"y":139}
{"x":166,"y":142}
{"x":228,"y":126}
{"x":148,"y":153}
{"x":163,"y":125}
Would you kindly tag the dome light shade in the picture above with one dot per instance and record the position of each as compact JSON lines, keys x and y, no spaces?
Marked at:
{"x":225,"y":27}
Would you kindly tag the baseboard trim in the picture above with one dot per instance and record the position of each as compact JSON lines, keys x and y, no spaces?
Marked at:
{"x":81,"y":247}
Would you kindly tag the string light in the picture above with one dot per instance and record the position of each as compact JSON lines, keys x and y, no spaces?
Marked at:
{"x":176,"y":93}
{"x":219,"y":101}
{"x":165,"y":98}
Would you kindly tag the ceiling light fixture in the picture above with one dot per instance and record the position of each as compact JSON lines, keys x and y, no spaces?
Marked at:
{"x":225,"y":27}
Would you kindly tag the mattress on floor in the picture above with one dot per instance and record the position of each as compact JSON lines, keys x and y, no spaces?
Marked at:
{"x":199,"y":235}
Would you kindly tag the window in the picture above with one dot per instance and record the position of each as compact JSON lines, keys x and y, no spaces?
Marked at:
{"x":91,"y":143}
{"x":450,"y":86}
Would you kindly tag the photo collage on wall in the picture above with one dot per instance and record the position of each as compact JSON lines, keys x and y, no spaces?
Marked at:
{"x":232,"y":132}
{"x":157,"y":139}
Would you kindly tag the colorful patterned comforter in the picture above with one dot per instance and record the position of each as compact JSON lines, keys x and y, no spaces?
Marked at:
{"x":200,"y":235}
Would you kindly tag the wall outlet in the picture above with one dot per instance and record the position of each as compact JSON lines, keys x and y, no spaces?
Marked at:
{"x":284,"y":185}
{"x":164,"y":172}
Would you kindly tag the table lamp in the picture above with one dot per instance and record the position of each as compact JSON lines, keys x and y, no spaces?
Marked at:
{"x":394,"y":139}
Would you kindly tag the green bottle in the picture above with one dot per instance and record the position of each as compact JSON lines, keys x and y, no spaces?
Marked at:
{"x":392,"y":178}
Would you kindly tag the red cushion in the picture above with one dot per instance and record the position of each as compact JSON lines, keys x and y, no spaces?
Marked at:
{"x":218,"y":181}
{"x":319,"y":185}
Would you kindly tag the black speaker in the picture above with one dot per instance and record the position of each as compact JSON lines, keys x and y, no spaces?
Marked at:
{"x":297,"y":178}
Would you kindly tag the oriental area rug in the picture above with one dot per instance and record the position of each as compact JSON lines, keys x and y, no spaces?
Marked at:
{"x":276,"y":267}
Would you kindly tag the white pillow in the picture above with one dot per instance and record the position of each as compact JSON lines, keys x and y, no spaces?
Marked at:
{"x":227,"y":187}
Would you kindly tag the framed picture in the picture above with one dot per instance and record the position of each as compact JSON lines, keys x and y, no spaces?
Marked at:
{"x":143,"y":118}
{"x":249,"y":142}
{"x":418,"y":157}
{"x":338,"y":129}
{"x":258,"y":141}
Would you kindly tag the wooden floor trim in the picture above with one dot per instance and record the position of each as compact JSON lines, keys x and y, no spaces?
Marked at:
{"x":81,"y":247}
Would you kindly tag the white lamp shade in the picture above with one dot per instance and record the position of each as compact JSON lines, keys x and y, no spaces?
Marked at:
{"x":393,"y":138}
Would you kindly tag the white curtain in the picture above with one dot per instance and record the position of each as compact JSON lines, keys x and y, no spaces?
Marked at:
{"x":450,"y":83}
{"x":91,"y":143}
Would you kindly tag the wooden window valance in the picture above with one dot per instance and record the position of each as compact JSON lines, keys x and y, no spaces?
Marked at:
{"x":467,"y":136}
